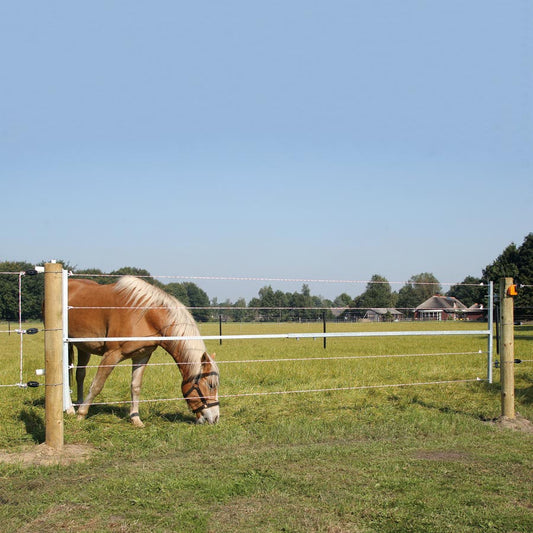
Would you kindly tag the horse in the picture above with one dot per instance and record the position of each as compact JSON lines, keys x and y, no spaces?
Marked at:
{"x":132,"y":307}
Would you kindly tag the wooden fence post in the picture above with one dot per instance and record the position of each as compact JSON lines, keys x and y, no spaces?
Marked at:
{"x":53,"y":353}
{"x":507,"y":348}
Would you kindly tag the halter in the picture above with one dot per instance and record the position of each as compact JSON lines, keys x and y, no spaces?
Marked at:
{"x":196,"y":388}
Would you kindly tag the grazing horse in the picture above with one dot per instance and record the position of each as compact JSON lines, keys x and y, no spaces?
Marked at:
{"x":133,"y":308}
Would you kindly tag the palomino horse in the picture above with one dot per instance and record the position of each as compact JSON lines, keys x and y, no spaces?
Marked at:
{"x":133,"y":308}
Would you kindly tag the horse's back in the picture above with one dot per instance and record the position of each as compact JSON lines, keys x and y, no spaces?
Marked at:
{"x":103,"y":311}
{"x":88,"y":293}
{"x":88,"y":316}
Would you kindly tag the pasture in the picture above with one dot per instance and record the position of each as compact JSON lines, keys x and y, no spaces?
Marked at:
{"x":399,"y":458}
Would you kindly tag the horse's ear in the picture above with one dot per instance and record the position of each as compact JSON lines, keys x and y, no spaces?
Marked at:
{"x":206,"y":358}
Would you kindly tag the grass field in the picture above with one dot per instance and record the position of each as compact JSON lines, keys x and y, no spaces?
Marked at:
{"x":413,"y":458}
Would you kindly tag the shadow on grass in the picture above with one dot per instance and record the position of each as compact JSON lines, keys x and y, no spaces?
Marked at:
{"x":34,"y":425}
{"x":525,"y":394}
{"x":37,"y":402}
{"x":449,"y":410}
{"x":124,"y":413}
{"x":176,"y":417}
{"x":492,"y":388}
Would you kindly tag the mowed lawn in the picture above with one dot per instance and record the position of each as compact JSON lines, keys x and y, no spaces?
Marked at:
{"x":379,"y":455}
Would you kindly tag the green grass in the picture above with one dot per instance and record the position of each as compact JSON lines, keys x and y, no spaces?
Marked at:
{"x":420,"y":458}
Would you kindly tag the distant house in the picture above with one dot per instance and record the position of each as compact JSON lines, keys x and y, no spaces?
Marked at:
{"x":383,"y":314}
{"x":338,"y":311}
{"x":440,"y":308}
{"x":476,"y":312}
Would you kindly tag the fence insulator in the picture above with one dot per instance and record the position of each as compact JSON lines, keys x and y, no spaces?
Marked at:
{"x":33,"y":384}
{"x":29,"y":331}
{"x":497,"y":363}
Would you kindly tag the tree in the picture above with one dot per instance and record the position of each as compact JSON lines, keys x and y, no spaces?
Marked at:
{"x":178,"y":291}
{"x":32,"y":291}
{"x":525,"y":273}
{"x":505,"y":265}
{"x":343,"y":300}
{"x":517,"y":263}
{"x":378,"y":293}
{"x":418,"y":289}
{"x":133,"y":271}
{"x":240,"y":314}
{"x":271,"y":303}
{"x":303,"y":301}
{"x":197,"y":298}
{"x":407,"y":298}
{"x":471,"y":291}
{"x":95,"y":274}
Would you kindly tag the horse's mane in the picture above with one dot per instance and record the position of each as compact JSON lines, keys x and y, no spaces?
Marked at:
{"x":139,"y":293}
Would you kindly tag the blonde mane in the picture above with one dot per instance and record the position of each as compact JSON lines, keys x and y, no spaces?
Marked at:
{"x":139,"y":293}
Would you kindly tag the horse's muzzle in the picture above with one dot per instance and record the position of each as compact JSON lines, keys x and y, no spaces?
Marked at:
{"x":209,"y":415}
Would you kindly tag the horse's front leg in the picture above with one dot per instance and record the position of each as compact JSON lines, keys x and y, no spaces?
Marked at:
{"x":109,"y":361}
{"x":137,"y":370}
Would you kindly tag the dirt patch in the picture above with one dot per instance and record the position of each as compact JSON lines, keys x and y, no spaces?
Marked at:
{"x":519,"y":423}
{"x":44,"y":455}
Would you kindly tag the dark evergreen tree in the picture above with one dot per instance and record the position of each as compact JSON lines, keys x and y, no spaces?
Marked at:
{"x":240,"y":314}
{"x":517,"y":263}
{"x":471,"y":291}
{"x":133,"y":271}
{"x":198,"y":299}
{"x":505,"y":265}
{"x":378,"y":293}
{"x":32,"y":287}
{"x":178,"y":291}
{"x":524,"y":300}
{"x":95,"y":274}
{"x":417,"y":290}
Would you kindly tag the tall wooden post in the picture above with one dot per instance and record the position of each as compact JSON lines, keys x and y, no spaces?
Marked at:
{"x":507,"y":348}
{"x":53,"y":353}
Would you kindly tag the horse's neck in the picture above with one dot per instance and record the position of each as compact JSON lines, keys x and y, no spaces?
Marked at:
{"x":187,"y":354}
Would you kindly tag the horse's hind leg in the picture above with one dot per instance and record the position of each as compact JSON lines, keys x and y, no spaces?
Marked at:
{"x":70,"y":410}
{"x":109,"y":361}
{"x":137,"y":370}
{"x":81,"y":371}
{"x":70,"y":363}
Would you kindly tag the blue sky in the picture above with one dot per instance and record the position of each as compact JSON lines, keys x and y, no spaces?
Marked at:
{"x":294,"y":139}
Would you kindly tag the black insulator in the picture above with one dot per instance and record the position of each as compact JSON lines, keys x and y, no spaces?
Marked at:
{"x":32,"y":331}
{"x":31,"y":272}
{"x":516,"y":362}
{"x":33,"y":384}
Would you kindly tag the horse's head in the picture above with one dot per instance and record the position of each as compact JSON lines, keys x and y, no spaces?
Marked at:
{"x":201,"y":391}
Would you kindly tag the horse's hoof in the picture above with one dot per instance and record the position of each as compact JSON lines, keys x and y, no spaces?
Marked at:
{"x":136,"y":421}
{"x":81,"y":417}
{"x":71,"y":411}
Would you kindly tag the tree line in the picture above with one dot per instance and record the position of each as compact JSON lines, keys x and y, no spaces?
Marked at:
{"x":514,"y":261}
